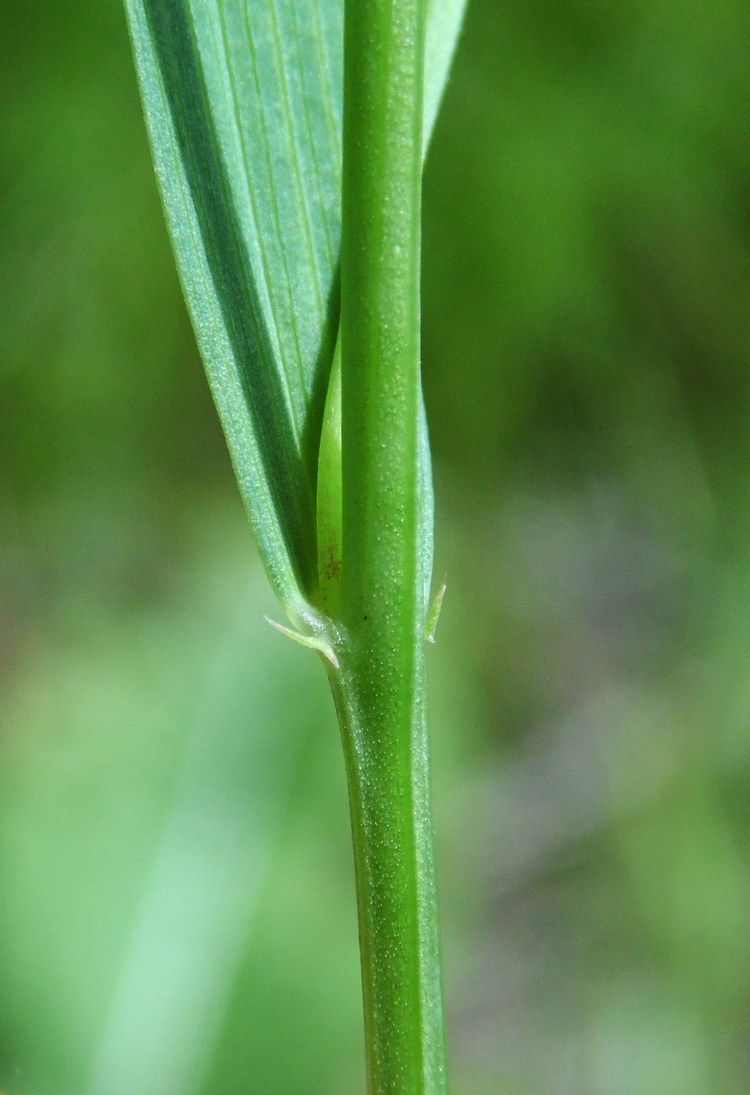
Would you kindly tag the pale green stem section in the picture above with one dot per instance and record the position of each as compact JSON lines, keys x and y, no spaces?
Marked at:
{"x":389,"y":801}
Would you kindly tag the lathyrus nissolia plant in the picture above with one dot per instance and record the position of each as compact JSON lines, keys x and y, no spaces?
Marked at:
{"x":288,"y":137}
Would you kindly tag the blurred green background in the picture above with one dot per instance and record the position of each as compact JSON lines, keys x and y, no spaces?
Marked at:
{"x":176,"y":900}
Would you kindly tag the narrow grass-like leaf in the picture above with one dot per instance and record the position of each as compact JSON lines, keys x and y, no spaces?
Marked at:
{"x":243,"y":102}
{"x":245,"y":126}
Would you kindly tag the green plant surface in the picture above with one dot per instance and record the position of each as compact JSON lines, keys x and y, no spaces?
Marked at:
{"x":244,"y":106}
{"x":244,"y":109}
{"x":585,"y":286}
{"x":380,"y":690}
{"x":246,"y":136}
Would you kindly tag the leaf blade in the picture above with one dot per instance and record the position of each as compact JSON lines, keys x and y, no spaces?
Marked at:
{"x":243,"y":104}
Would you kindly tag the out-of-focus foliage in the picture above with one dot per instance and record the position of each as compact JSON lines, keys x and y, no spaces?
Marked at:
{"x":175,"y":878}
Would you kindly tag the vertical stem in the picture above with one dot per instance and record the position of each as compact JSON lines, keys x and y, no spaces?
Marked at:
{"x":394,"y":871}
{"x":379,"y":688}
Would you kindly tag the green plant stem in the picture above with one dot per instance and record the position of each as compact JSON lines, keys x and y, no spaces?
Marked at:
{"x":379,"y":687}
{"x":398,"y":933}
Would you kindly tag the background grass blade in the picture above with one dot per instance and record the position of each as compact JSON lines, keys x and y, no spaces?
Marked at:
{"x":207,"y":876}
{"x":243,"y":104}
